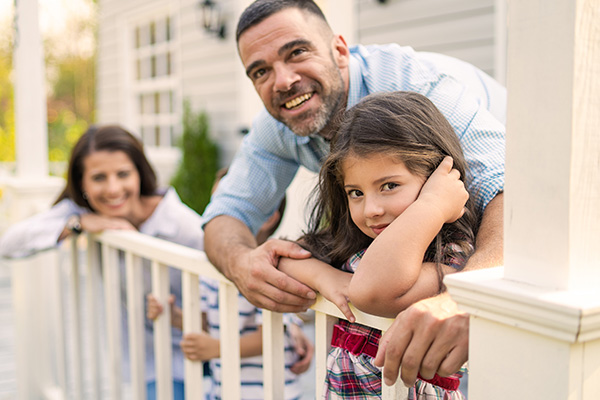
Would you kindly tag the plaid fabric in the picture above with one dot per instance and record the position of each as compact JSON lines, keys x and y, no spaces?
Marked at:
{"x":355,"y":377}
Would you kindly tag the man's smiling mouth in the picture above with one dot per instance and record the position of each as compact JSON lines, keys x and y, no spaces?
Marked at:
{"x":297,"y":101}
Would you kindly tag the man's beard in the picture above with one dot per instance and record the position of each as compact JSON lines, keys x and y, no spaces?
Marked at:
{"x":316,"y":121}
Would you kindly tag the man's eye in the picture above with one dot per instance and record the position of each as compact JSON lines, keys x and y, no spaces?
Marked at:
{"x":258,"y":73}
{"x":297,"y":52}
{"x":354,"y":194}
{"x":389,"y":186}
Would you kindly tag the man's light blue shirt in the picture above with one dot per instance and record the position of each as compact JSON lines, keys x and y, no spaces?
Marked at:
{"x":270,"y":155}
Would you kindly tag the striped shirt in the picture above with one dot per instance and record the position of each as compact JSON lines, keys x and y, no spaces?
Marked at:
{"x":271,"y":154}
{"x":250,"y":318}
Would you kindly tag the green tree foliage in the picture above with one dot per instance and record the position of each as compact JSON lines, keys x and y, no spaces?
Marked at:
{"x":199,"y":162}
{"x":70,"y":78}
{"x":71,"y":105}
{"x":7,"y":115}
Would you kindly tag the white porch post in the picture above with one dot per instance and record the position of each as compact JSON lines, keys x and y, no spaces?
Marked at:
{"x":535,"y":330}
{"x":36,"y":297}
{"x":31,"y":190}
{"x":30,"y":96}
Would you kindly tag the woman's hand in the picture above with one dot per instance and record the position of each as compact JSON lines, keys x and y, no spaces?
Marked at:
{"x":95,"y":223}
{"x":303,"y":347}
{"x":200,"y":346}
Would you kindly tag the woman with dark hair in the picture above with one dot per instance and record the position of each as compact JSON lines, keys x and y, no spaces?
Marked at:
{"x":111,"y":185}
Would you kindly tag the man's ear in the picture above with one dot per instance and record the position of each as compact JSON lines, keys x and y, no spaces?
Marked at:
{"x":341,"y":52}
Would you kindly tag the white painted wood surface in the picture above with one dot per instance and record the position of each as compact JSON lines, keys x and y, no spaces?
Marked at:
{"x":193,"y":264}
{"x":31,"y":127}
{"x":536,"y":322}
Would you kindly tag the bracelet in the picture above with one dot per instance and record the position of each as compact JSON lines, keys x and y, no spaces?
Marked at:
{"x":74,"y":224}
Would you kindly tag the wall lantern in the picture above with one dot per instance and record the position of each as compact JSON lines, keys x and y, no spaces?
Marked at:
{"x":212,"y":20}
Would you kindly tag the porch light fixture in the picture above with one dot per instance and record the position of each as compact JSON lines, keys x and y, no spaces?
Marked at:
{"x":212,"y":20}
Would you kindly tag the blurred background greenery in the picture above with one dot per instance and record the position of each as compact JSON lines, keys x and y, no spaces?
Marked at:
{"x":70,"y":51}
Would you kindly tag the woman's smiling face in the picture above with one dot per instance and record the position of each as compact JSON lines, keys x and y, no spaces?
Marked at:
{"x":111,"y":183}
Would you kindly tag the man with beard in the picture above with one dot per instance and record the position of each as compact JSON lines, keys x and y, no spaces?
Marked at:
{"x":305,"y":75}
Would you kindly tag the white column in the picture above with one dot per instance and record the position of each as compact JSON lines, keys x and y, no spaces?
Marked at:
{"x":30,"y":95}
{"x":534,"y":325}
{"x":35,"y":280}
{"x":31,"y":190}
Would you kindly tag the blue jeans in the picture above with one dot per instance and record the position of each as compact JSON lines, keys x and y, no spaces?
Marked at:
{"x":178,"y":390}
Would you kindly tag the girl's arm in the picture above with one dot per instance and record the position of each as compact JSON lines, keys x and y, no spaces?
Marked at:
{"x":392,"y":266}
{"x":331,"y":282}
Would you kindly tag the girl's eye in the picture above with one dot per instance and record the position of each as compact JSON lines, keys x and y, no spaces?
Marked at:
{"x":124,"y":174}
{"x":98,"y":178}
{"x":389,"y":186}
{"x":354,"y":194}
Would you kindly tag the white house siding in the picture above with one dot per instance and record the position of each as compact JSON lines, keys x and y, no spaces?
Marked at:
{"x":208,"y":70}
{"x":459,"y":28}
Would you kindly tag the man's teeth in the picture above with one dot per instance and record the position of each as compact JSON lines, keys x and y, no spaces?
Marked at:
{"x":298,"y":100}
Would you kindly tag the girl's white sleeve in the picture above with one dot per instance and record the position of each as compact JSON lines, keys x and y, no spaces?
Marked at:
{"x":37,"y":233}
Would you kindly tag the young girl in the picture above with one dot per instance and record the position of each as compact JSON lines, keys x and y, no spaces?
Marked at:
{"x":391,"y":200}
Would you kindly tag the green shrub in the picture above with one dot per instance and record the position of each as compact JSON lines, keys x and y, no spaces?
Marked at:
{"x":199,"y":162}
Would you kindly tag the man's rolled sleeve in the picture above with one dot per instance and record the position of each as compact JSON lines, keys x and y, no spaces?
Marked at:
{"x":256,"y":181}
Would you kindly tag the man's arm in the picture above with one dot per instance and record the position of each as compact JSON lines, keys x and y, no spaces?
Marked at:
{"x":431,"y":336}
{"x":231,"y":247}
{"x":489,"y":245}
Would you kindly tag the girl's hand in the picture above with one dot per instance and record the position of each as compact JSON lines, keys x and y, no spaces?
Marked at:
{"x":333,"y":285}
{"x":200,"y":346}
{"x":303,"y":347}
{"x":95,"y":223}
{"x":445,"y":191}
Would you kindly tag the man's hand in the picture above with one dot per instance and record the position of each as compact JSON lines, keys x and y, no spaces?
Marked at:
{"x":231,"y":247}
{"x":431,"y":336}
{"x":259,"y":280}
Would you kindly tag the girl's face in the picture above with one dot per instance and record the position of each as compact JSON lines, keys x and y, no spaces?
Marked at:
{"x":379,"y":189}
{"x":112,"y":184}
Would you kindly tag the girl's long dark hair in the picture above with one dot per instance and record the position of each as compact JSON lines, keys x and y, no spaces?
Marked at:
{"x":404,"y":125}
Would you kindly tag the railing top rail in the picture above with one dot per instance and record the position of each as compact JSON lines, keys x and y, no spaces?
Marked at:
{"x":195,"y":261}
{"x":165,"y":252}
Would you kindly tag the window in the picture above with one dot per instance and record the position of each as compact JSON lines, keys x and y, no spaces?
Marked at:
{"x":155,"y":87}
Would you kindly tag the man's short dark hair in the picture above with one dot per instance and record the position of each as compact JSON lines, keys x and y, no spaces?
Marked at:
{"x":262,"y":9}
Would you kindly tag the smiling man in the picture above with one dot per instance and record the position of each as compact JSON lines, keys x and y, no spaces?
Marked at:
{"x":306,"y":75}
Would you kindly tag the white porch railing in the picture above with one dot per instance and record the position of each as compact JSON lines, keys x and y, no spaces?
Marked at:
{"x":162,"y":255}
